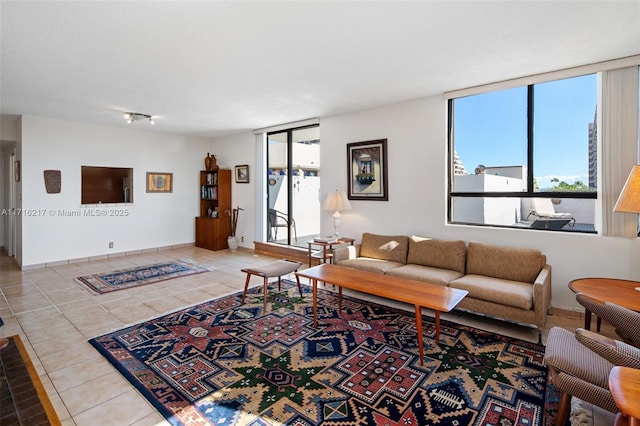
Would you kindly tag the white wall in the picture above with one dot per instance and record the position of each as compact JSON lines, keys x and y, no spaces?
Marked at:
{"x":152,"y":220}
{"x":417,"y":167}
{"x":237,"y":150}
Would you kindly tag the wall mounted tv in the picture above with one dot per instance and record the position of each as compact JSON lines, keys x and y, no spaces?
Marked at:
{"x":102,"y":185}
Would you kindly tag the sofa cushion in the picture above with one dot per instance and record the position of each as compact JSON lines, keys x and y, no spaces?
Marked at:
{"x":515,"y":264}
{"x":385,"y":247}
{"x":368,"y":264}
{"x":443,"y":254}
{"x":426,"y":274}
{"x":504,"y":292}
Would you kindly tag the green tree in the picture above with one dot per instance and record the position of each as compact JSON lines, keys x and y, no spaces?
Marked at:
{"x":568,"y":187}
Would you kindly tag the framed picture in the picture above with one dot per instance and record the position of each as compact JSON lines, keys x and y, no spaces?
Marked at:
{"x":367,"y":170}
{"x":159,"y":182}
{"x":242,"y":173}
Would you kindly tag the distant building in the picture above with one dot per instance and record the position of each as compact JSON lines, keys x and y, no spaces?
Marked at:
{"x":458,"y":166}
{"x":593,"y":152}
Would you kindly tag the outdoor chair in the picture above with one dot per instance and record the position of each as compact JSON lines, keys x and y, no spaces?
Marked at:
{"x":580,"y":363}
{"x":277,"y":220}
{"x":542,"y":208}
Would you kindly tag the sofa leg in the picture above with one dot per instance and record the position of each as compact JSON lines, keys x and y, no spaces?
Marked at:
{"x":539,"y":335}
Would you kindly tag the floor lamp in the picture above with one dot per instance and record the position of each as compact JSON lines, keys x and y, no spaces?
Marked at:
{"x":629,"y":199}
{"x":336,"y":201}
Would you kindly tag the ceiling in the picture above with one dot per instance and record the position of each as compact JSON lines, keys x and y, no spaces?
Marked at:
{"x":212,"y":68}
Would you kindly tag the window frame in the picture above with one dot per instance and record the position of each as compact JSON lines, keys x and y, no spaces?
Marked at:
{"x":530,"y":191}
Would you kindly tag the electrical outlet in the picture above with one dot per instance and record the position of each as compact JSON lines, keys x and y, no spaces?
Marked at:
{"x":242,"y":239}
{"x":111,"y":244}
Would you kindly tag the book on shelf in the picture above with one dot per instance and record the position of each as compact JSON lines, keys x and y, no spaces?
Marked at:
{"x":209,"y":192}
{"x":212,"y":178}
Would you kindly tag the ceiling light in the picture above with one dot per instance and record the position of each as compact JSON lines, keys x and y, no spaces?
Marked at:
{"x":136,"y":116}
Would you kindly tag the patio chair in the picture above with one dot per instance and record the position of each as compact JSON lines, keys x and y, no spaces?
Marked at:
{"x":542,"y":208}
{"x":580,"y":363}
{"x":277,"y":220}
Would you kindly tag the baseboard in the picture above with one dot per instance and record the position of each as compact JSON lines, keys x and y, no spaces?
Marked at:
{"x":570,"y":313}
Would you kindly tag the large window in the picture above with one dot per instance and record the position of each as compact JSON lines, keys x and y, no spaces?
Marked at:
{"x":526,"y":156}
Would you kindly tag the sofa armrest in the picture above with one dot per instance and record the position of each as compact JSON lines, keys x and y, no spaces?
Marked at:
{"x":542,"y":295}
{"x":345,"y":253}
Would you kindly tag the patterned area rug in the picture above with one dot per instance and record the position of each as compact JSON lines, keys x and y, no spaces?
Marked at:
{"x":140,"y":275}
{"x":222,"y":362}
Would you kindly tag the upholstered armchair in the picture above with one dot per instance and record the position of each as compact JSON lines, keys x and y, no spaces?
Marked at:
{"x":625,"y":321}
{"x":580,"y":364}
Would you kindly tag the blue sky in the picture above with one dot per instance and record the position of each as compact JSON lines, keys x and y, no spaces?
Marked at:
{"x":491,"y":129}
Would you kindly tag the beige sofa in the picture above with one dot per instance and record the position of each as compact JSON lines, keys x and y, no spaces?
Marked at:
{"x":512,"y":284}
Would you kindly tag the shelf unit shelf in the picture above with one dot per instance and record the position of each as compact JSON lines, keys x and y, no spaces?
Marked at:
{"x":213,"y":225}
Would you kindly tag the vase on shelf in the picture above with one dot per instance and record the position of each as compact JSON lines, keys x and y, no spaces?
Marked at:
{"x":210,"y":163}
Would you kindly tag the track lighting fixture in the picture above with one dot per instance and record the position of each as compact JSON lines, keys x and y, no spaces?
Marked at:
{"x":136,"y":116}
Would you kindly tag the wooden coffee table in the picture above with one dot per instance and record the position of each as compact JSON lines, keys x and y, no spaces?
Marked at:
{"x":417,"y":293}
{"x":620,"y":292}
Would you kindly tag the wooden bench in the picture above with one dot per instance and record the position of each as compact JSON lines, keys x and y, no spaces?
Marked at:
{"x":270,"y":270}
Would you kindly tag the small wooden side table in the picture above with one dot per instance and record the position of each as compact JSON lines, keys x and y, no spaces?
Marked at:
{"x":624,"y":384}
{"x":325,"y":251}
{"x":620,"y":292}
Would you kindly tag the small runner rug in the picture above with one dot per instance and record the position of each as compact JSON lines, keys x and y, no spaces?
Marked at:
{"x":224,"y":362}
{"x":140,"y":275}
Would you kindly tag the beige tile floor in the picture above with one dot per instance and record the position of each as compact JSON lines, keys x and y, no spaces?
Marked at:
{"x":55,"y":316}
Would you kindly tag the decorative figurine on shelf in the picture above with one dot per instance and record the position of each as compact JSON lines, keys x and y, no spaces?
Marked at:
{"x":210,"y":163}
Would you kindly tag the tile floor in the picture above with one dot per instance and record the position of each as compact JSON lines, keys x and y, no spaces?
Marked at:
{"x":55,"y":316}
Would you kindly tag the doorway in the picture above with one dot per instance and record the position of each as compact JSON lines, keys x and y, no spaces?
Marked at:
{"x":293,"y":185}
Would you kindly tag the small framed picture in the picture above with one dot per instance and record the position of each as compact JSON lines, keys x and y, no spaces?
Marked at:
{"x":242,"y":173}
{"x":159,"y":182}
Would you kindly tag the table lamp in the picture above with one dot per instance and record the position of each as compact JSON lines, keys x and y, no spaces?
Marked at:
{"x":629,"y":199}
{"x":336,"y":201}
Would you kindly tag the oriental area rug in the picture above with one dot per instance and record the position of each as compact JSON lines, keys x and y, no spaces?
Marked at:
{"x":227,"y":363}
{"x":140,"y":275}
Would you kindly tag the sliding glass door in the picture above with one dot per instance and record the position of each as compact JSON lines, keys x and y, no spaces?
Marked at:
{"x":293,"y":185}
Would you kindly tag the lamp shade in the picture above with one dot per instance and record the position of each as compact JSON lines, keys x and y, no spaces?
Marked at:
{"x":629,"y":199}
{"x":336,"y":201}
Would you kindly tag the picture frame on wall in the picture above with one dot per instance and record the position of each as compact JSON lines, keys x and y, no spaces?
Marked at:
{"x":242,"y":173}
{"x":367,"y":170}
{"x":159,"y":182}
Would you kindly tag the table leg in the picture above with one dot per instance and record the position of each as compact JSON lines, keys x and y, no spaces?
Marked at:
{"x":339,"y":299}
{"x":265,"y":291}
{"x":437,"y":326}
{"x":315,"y":303}
{"x":419,"y":331}
{"x":587,"y":319}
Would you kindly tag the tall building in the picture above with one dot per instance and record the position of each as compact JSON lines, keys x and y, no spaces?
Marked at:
{"x":458,"y":166}
{"x":593,"y":152}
